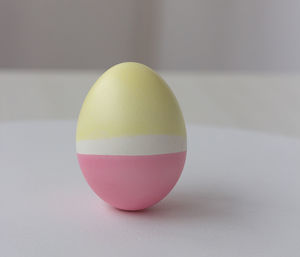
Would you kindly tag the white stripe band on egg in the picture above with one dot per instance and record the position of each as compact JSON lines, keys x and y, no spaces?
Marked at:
{"x":133,"y":145}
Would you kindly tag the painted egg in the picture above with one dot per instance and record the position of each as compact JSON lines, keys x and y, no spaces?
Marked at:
{"x":131,"y":137}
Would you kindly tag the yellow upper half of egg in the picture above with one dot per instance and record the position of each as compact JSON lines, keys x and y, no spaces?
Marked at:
{"x":129,"y":99}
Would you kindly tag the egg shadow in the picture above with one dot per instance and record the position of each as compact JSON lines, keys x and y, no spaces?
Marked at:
{"x":190,"y":203}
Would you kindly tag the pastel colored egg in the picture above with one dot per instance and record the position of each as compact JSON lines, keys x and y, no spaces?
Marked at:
{"x":131,"y":137}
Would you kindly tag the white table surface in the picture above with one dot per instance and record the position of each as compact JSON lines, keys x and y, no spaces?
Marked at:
{"x":238,"y":196}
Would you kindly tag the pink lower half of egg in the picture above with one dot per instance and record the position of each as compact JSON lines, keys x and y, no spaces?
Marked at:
{"x":132,"y":182}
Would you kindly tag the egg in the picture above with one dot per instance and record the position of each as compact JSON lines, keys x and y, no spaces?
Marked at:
{"x":131,"y":137}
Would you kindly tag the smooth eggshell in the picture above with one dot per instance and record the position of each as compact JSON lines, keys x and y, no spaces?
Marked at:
{"x":131,"y":137}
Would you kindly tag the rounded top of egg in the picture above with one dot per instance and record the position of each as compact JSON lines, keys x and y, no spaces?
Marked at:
{"x":130,"y":110}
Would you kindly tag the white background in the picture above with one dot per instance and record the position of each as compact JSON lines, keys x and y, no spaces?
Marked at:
{"x":256,"y":35}
{"x":231,"y":63}
{"x":250,"y":101}
{"x":238,"y":196}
